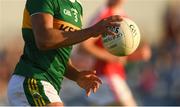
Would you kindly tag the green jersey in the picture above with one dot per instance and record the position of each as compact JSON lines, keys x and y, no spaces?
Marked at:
{"x":48,"y":65}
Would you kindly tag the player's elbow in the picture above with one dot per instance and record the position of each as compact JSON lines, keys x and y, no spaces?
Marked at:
{"x":48,"y":45}
{"x":48,"y":41}
{"x":42,"y":45}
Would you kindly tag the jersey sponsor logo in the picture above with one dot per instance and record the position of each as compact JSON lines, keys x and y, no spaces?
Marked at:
{"x":64,"y":26}
{"x":71,"y":13}
{"x":67,"y":12}
{"x":75,"y":13}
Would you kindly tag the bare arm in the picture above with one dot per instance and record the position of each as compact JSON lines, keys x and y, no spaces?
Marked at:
{"x":100,"y":53}
{"x":48,"y":38}
{"x":85,"y":79}
{"x":71,"y":73}
{"x":142,"y":53}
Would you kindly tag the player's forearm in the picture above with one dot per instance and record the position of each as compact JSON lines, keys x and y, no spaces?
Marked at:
{"x":97,"y":52}
{"x":71,"y":73}
{"x":53,"y":38}
{"x":142,"y":53}
{"x":101,"y":54}
{"x":48,"y":38}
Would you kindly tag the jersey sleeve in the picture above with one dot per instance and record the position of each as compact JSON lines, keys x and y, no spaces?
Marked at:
{"x":81,"y":8}
{"x":40,"y":6}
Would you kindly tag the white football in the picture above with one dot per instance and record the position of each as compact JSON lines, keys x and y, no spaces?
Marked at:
{"x":126,"y":41}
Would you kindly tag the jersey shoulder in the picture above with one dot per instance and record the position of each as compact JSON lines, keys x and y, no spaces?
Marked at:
{"x":40,"y":6}
{"x":80,"y":6}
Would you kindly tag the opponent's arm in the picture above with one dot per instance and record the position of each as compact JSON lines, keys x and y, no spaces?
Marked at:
{"x":48,"y":38}
{"x":142,"y":53}
{"x":100,"y":53}
{"x":85,"y":79}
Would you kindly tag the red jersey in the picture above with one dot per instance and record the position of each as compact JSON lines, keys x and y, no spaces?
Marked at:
{"x":103,"y":67}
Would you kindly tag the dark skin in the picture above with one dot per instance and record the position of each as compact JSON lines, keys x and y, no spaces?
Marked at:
{"x":85,"y":79}
{"x":47,"y":38}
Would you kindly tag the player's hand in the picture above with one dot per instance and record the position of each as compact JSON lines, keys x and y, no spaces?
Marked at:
{"x":88,"y":81}
{"x":102,"y":26}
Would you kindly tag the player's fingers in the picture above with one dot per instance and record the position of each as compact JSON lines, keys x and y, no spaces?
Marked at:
{"x":92,"y":85}
{"x":108,"y":32}
{"x":88,"y":92}
{"x":113,"y":24}
{"x":97,"y":85}
{"x":94,"y":89}
{"x":94,"y":71}
{"x":95,"y":78}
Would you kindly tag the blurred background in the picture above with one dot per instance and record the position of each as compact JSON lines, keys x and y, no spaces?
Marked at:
{"x":152,"y":82}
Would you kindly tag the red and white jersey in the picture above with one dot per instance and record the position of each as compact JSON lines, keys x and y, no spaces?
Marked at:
{"x":107,"y":67}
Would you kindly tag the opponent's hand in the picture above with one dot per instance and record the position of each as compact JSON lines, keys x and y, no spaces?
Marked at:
{"x":88,"y":81}
{"x":102,"y":26}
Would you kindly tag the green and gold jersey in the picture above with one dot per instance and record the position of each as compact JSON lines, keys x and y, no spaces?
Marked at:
{"x":48,"y":65}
